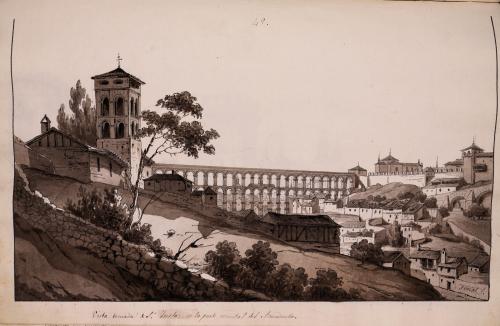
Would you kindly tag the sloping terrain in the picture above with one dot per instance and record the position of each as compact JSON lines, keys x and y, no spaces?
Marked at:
{"x":390,"y":191}
{"x":373,"y":282}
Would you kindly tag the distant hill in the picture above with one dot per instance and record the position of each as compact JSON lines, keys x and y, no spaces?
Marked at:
{"x":390,"y":191}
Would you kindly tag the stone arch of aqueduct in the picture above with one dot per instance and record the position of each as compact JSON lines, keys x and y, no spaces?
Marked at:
{"x":262,"y":190}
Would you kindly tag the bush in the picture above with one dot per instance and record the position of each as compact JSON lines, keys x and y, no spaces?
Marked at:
{"x":103,"y":210}
{"x":106,"y":210}
{"x":443,"y":211}
{"x":326,"y":287}
{"x":224,"y":261}
{"x":261,"y":260}
{"x":430,"y":202}
{"x":476,"y":210}
{"x":287,"y":283}
{"x":367,"y":252}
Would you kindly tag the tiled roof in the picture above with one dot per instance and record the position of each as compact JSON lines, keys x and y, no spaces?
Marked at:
{"x":429,"y":254}
{"x":474,"y":147}
{"x":391,"y":256}
{"x":297,"y":219}
{"x":452,"y":262}
{"x":357,"y":168}
{"x":480,"y":261}
{"x":353,"y":224}
{"x":167,"y":176}
{"x":89,"y":148}
{"x":457,"y":162}
{"x":118,"y":72}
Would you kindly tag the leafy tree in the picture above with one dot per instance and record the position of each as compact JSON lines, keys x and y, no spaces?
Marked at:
{"x":326,"y":286}
{"x":81,"y":121}
{"x":175,"y":131}
{"x":261,"y":260}
{"x":395,"y":235}
{"x":476,"y":210}
{"x":406,"y":195}
{"x":224,"y":261}
{"x":420,"y":196}
{"x":287,"y":283}
{"x":379,"y":198}
{"x":367,"y":252}
{"x":443,"y":211}
{"x":430,"y":202}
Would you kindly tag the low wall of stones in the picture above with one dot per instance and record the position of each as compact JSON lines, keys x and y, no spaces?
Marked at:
{"x":169,"y":277}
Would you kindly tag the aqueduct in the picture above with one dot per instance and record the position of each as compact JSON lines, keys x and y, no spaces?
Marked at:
{"x":262,"y":190}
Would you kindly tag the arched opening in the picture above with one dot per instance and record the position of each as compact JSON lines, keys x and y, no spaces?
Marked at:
{"x":132,"y":106}
{"x":119,"y":106}
{"x":136,"y":108}
{"x":132,"y":129}
{"x":120,"y":130}
{"x":105,"y":132}
{"x":105,"y":107}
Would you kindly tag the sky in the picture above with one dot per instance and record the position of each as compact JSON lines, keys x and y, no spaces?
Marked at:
{"x":294,"y":85}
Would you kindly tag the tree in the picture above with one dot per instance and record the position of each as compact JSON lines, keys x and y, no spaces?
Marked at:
{"x":430,"y":202}
{"x":287,"y":283}
{"x":476,"y":210}
{"x":443,"y":211}
{"x":176,"y":131}
{"x":261,"y":261}
{"x":326,"y":286}
{"x":367,"y":252}
{"x":81,"y":122}
{"x":396,"y":235}
{"x":420,"y":196}
{"x":224,"y":261}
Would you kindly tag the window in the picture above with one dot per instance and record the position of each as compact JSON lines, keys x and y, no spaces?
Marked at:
{"x":131,"y":106}
{"x":105,"y":107}
{"x":105,"y":130}
{"x":118,"y":81}
{"x":136,"y":108}
{"x":104,"y":82}
{"x":120,"y":130}
{"x":110,"y":169}
{"x":98,"y":164}
{"x":119,"y":106}
{"x":132,"y":129}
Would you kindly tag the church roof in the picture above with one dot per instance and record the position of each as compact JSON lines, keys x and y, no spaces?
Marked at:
{"x":118,"y":72}
{"x":389,"y":158}
{"x":357,"y":168}
{"x":45,"y":119}
{"x":474,"y":147}
{"x":89,"y":148}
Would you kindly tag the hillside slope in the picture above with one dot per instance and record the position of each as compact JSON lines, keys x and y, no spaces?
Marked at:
{"x":390,"y":191}
{"x":373,"y":282}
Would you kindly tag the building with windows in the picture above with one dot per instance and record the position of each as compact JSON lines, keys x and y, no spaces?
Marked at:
{"x":70,"y":157}
{"x":118,"y":106}
{"x":478,"y":164}
{"x":171,"y":182}
{"x":391,"y":165}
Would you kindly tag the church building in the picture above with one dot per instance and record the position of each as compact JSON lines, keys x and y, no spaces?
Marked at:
{"x":391,"y":165}
{"x":118,"y":109}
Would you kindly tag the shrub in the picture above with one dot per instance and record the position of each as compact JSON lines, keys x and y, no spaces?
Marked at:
{"x":261,"y":260}
{"x":287,"y":283}
{"x":367,"y":252}
{"x":224,"y":261}
{"x":106,"y":210}
{"x":326,"y":287}
{"x":476,"y":210}
{"x":103,"y":210}
{"x":443,"y":211}
{"x":430,"y":202}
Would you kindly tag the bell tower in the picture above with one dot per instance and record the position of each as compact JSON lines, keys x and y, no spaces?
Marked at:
{"x":118,"y":109}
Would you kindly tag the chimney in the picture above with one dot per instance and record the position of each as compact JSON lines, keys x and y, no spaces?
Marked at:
{"x":45,"y":124}
{"x":443,"y":256}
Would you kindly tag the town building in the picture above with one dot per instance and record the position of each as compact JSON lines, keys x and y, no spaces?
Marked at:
{"x":70,"y":157}
{"x":397,"y":261}
{"x":171,"y":182}
{"x":440,"y":188}
{"x":449,"y":269}
{"x":391,"y":165}
{"x":361,"y":173}
{"x":303,"y":228}
{"x":480,"y":264}
{"x":118,"y":109}
{"x":478,"y":164}
{"x":206,"y":197}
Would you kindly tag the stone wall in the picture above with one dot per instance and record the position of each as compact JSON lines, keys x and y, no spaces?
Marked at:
{"x":171,"y":278}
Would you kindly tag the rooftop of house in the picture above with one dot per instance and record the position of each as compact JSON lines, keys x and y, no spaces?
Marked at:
{"x":365,"y":233}
{"x":425,"y":253}
{"x":441,"y":185}
{"x":89,"y":148}
{"x":391,"y":256}
{"x":480,"y":261}
{"x":457,"y":162}
{"x":353,"y":224}
{"x":452,"y":262}
{"x":167,"y":176}
{"x":206,"y":191}
{"x":118,"y":72}
{"x":297,"y":219}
